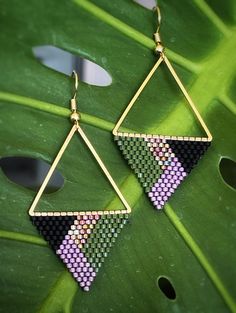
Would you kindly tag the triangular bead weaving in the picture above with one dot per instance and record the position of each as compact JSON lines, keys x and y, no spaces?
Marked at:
{"x":160,"y":162}
{"x":82,"y":240}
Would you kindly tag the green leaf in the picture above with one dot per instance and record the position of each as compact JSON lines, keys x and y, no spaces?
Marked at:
{"x":192,"y":241}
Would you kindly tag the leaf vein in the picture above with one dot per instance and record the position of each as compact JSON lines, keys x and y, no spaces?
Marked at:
{"x":10,"y":235}
{"x":213,"y":17}
{"x":191,"y":243}
{"x":134,"y":34}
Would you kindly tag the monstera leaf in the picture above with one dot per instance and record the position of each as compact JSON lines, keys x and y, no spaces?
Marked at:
{"x":191,"y":244}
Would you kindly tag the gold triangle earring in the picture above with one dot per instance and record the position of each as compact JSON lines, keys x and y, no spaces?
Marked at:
{"x":161,"y":162}
{"x":82,"y":240}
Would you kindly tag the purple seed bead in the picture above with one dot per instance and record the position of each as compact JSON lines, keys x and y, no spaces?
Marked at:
{"x":75,"y":275}
{"x":86,"y":288}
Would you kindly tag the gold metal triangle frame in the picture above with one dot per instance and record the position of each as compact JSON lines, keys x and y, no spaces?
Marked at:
{"x":77,"y":128}
{"x":163,"y":58}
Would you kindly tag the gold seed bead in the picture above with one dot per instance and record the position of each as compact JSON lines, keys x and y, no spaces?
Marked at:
{"x":75,"y":117}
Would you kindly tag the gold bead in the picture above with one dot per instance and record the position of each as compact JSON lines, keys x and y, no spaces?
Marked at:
{"x":75,"y":117}
{"x":159,"y":48}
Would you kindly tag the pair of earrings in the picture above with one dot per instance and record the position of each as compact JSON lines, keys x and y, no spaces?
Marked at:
{"x":83,"y":240}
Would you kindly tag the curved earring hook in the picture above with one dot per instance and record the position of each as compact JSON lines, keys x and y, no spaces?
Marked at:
{"x":75,"y":116}
{"x":76,"y":77}
{"x":157,"y":38}
{"x":158,"y":11}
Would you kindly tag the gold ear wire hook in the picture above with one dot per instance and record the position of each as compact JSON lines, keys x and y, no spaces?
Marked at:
{"x":75,"y":116}
{"x":157,"y":38}
{"x":73,"y":99}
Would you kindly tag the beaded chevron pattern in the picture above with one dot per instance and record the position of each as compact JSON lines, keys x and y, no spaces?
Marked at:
{"x":161,"y":164}
{"x":82,"y":241}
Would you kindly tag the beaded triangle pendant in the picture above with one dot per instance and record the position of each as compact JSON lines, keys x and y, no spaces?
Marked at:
{"x":161,"y":162}
{"x":82,"y":240}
